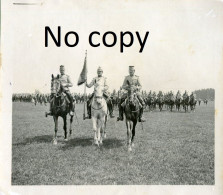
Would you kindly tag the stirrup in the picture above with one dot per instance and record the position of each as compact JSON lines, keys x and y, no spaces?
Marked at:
{"x":142,"y":120}
{"x":119,"y":119}
{"x":111,"y":116}
{"x":88,"y":117}
{"x":48,"y":113}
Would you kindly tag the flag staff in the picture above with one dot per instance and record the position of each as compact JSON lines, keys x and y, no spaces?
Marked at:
{"x":85,"y":87}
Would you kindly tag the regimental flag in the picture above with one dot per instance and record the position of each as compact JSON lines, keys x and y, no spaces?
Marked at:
{"x":83,"y":75}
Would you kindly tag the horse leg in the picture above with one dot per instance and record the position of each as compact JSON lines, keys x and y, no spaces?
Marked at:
{"x":133,"y":132}
{"x":71,"y":121}
{"x":99,"y":131}
{"x":102,"y":129}
{"x":65,"y":127}
{"x":128,"y":125}
{"x":56,"y":128}
{"x":105,"y":126}
{"x":94,"y":121}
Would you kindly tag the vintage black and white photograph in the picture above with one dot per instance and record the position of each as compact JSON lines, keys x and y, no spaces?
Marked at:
{"x":108,"y":93}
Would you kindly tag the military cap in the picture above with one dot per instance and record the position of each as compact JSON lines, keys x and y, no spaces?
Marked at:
{"x":61,"y":66}
{"x":100,"y":69}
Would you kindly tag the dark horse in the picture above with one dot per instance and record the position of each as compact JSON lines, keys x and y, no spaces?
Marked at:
{"x":59,"y":107}
{"x":205,"y":101}
{"x":192,"y":103}
{"x":131,"y":110}
{"x":170,"y":101}
{"x":160,"y":102}
{"x":178,"y":102}
{"x":186,"y":102}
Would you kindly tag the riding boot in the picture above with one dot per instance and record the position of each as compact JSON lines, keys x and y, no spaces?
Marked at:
{"x":120,"y":118}
{"x":110,"y":108}
{"x":141,"y":119}
{"x":70,"y":98}
{"x":71,"y":108}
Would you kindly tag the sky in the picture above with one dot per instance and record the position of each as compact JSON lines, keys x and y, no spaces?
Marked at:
{"x":183,"y":50}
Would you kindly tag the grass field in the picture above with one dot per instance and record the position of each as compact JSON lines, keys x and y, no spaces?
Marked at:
{"x":173,"y":148}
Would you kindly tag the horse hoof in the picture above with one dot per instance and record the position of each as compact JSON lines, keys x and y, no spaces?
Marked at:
{"x":129,"y":149}
{"x":96,"y":142}
{"x":54,"y":142}
{"x":133,"y":144}
{"x":66,"y":140}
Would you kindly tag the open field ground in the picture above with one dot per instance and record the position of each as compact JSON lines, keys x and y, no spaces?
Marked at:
{"x":172,"y":148}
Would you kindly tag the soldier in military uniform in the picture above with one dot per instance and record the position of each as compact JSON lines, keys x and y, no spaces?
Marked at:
{"x":131,"y":81}
{"x":65,"y":83}
{"x":185,"y":94}
{"x":192,"y":95}
{"x":178,"y":95}
{"x":100,"y":81}
{"x":160,"y":94}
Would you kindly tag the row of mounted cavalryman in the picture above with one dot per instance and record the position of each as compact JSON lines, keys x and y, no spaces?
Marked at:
{"x":131,"y":81}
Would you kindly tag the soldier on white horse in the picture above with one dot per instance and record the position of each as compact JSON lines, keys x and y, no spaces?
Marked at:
{"x":102,"y":82}
{"x":98,"y":107}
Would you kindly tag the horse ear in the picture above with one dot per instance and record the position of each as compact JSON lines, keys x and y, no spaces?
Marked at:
{"x":52,"y":76}
{"x":58,"y":76}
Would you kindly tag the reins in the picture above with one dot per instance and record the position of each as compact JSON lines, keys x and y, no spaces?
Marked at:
{"x":97,"y":108}
{"x":134,"y":110}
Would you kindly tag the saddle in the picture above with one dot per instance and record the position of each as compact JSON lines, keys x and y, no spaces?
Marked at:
{"x":90,"y":102}
{"x":62,"y":94}
{"x":125,"y":102}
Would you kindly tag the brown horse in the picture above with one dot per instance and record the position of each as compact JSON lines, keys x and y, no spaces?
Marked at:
{"x":186,"y":102}
{"x":60,"y":107}
{"x":192,"y":103}
{"x":131,"y":111}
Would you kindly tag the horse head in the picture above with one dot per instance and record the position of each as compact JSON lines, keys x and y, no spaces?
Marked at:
{"x":55,"y":85}
{"x":132,"y":97}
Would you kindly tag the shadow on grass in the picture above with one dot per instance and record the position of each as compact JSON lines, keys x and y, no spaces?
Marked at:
{"x":36,"y":139}
{"x":85,"y":142}
{"x":168,"y":111}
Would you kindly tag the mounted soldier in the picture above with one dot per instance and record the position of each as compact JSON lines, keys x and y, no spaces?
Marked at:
{"x":65,"y":84}
{"x":185,"y":94}
{"x":102,"y":82}
{"x":154,"y":95}
{"x":160,"y":94}
{"x":192,"y":95}
{"x":131,"y":81}
{"x":178,"y":95}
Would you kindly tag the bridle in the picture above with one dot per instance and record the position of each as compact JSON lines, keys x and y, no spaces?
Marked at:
{"x":57,"y":90}
{"x":101,"y":106}
{"x":133,"y":98}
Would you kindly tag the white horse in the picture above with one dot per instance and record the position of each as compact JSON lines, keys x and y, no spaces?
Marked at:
{"x":99,"y":115}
